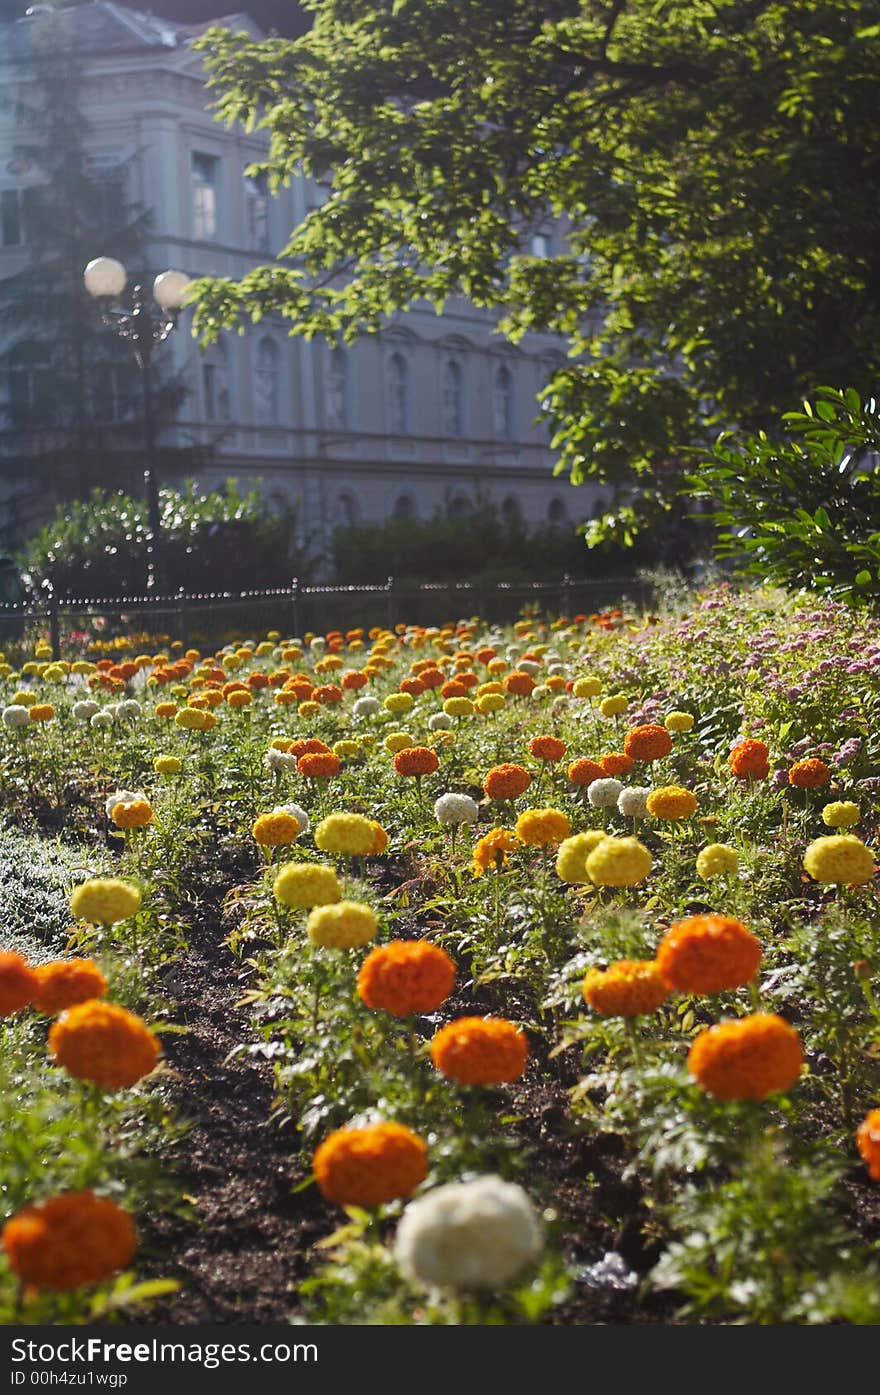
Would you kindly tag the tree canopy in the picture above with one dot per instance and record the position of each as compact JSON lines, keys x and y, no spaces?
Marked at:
{"x":714,"y":163}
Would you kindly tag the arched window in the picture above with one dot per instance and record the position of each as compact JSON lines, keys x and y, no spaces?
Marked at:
{"x":502,"y":403}
{"x":557,"y":513}
{"x":266,"y":384}
{"x":335,"y":390}
{"x":451,"y":412}
{"x":511,"y":512}
{"x":397,"y":394}
{"x":215,"y":383}
{"x":345,"y":512}
{"x":405,"y":507}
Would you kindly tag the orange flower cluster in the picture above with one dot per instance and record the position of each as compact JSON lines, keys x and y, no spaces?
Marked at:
{"x":319,"y":765}
{"x":809,"y":774}
{"x":104,"y":1044}
{"x":480,"y":1050}
{"x":625,"y":989}
{"x":65,"y":982}
{"x":647,"y":743}
{"x":868,"y":1142}
{"x":584,"y":772}
{"x":747,"y":1059}
{"x":74,"y":1239}
{"x":308,"y":746}
{"x":370,"y":1166}
{"x":275,"y":829}
{"x":506,"y":781}
{"x":750,"y":760}
{"x":132,"y":813}
{"x":520,"y":684}
{"x":18,"y":983}
{"x":616,"y":763}
{"x":416,"y":760}
{"x":708,"y":953}
{"x":406,"y":976}
{"x":547,"y":748}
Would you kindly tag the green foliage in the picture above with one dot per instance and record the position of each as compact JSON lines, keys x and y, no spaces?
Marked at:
{"x":804,"y":510}
{"x":35,"y":880}
{"x":710,"y":164}
{"x":97,"y":547}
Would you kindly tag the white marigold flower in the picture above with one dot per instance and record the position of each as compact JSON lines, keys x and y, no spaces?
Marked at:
{"x":15,"y":716}
{"x":85,"y":710}
{"x":440,"y":721}
{"x":121,"y":797}
{"x":297,"y":813}
{"x":468,"y":1235}
{"x":101,"y":719}
{"x":539,"y":692}
{"x":529,"y":666}
{"x":604,"y":794}
{"x":366,"y":707}
{"x":130,"y":709}
{"x":279,"y":762}
{"x":633,"y":801}
{"x":318,"y":644}
{"x":452,"y":809}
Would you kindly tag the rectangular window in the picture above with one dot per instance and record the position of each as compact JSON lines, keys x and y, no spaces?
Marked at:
{"x":204,"y":196}
{"x":10,"y":218}
{"x":256,"y":205}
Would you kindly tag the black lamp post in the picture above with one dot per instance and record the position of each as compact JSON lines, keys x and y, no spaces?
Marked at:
{"x":106,"y":279}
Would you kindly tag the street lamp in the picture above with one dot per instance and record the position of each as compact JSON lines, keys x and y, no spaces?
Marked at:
{"x":106,"y":279}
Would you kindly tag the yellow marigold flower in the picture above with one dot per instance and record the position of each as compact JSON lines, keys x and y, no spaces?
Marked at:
{"x":346,"y":750}
{"x":678,"y":721}
{"x":41,"y":712}
{"x":82,"y":666}
{"x":346,"y":925}
{"x":588,"y":685}
{"x":613,"y":706}
{"x":192,"y":719}
{"x":167,"y":765}
{"x":571,"y":859}
{"x":490,"y":690}
{"x":841,"y":858}
{"x":24,"y":698}
{"x":717,"y":860}
{"x":54,"y":673}
{"x":458,"y":707}
{"x":399,"y":702}
{"x":492,"y":849}
{"x":625,"y":989}
{"x":841,"y":814}
{"x":496,"y":666}
{"x":166,"y":709}
{"x":105,"y":901}
{"x":488,"y":703}
{"x":302,"y":885}
{"x":619,"y":862}
{"x":398,"y":741}
{"x":240,"y":697}
{"x":541,"y":828}
{"x":351,"y":835}
{"x":275,"y":829}
{"x":671,"y":802}
{"x":309,"y":708}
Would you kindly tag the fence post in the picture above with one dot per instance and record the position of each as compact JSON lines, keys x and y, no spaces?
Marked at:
{"x":389,"y":589}
{"x":182,"y":618}
{"x":294,"y":606}
{"x":54,"y":632}
{"x":566,"y":595}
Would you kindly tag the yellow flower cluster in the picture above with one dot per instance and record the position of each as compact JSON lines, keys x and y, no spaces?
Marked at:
{"x":671,"y":802}
{"x":619,"y":862}
{"x":571,"y":859}
{"x":105,"y":901}
{"x":841,"y":858}
{"x":346,"y":925}
{"x":302,"y":885}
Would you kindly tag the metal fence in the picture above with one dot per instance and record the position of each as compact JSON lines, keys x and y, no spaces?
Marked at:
{"x":206,"y":618}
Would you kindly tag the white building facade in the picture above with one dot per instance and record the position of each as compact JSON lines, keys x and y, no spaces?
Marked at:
{"x":433,"y":412}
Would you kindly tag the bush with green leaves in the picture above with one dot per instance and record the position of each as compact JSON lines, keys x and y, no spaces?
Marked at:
{"x":97,"y":547}
{"x":803,"y":510}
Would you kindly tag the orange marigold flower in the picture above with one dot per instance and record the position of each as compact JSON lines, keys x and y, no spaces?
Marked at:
{"x":319,"y":765}
{"x":308,"y":746}
{"x":491,"y":850}
{"x":275,"y":829}
{"x":300,"y":685}
{"x":380,"y":841}
{"x":750,"y":759}
{"x":166,"y":709}
{"x":74,"y":1239}
{"x":413,"y":686}
{"x":433,"y":678}
{"x":327,"y":693}
{"x":257,"y":681}
{"x":480,"y":1050}
{"x":542,"y":828}
{"x":626,"y":988}
{"x":547,"y":748}
{"x":18,"y":983}
{"x":452,"y":688}
{"x":616,"y":763}
{"x":241,"y":697}
{"x":506,"y":781}
{"x":708,"y":953}
{"x":584,"y":772}
{"x":105,"y":1044}
{"x":520,"y":684}
{"x":353,"y":679}
{"x":369,"y":1166}
{"x":747,"y":1059}
{"x":406,"y":976}
{"x":809,"y":774}
{"x":416,"y":760}
{"x":647,"y":743}
{"x":132,"y":813}
{"x":65,"y":982}
{"x":868,"y":1142}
